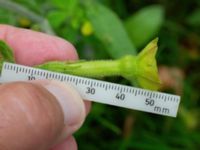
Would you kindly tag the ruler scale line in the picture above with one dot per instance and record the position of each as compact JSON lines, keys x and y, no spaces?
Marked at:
{"x":100,"y":91}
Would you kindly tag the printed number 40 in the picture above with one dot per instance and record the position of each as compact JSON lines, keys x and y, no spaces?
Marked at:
{"x":120,"y":96}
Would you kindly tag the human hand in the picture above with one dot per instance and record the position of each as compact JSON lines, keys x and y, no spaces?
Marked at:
{"x":39,"y":115}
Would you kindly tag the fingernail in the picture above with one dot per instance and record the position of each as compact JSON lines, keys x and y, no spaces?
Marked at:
{"x":69,"y":100}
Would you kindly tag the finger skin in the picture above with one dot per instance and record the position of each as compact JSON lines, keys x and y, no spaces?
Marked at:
{"x":31,"y":118}
{"x":71,"y":103}
{"x":32,"y":48}
{"x":68,"y":144}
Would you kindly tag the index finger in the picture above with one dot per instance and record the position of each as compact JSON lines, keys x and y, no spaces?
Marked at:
{"x":32,"y":48}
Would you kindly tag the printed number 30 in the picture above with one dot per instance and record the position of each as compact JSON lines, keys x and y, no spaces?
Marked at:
{"x":90,"y":90}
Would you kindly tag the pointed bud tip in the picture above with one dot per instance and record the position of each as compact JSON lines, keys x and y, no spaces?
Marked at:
{"x":155,"y":40}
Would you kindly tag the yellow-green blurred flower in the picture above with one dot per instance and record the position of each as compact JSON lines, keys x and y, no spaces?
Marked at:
{"x":24,"y":22}
{"x":87,"y":29}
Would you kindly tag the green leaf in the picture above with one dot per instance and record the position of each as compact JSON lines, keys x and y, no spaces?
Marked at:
{"x":6,"y":54}
{"x":144,"y":24}
{"x":109,"y":29}
{"x":66,"y":11}
{"x":108,"y":124}
{"x":66,"y":5}
{"x":56,"y":18}
{"x":194,"y":18}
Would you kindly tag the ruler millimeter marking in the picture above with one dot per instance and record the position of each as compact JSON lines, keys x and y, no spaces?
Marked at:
{"x":100,"y":91}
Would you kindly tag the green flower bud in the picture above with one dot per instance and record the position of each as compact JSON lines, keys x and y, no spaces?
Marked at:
{"x":142,"y":69}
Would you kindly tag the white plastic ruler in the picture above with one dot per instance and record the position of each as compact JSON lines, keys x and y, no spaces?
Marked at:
{"x":100,"y":91}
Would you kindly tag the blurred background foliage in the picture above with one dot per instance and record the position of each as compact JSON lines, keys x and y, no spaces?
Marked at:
{"x":108,"y":29}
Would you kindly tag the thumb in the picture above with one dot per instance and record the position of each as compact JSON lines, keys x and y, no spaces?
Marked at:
{"x":38,"y":115}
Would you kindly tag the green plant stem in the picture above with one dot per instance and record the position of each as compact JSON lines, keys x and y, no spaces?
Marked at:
{"x":85,"y":68}
{"x":16,"y":8}
{"x":140,"y":70}
{"x":1,"y":65}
